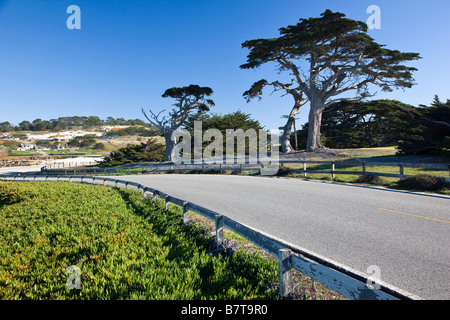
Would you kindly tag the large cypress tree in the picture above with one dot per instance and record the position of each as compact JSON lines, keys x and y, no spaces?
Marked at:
{"x":327,"y":57}
{"x":188,"y":99}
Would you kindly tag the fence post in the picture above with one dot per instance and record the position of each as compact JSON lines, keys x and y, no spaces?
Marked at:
{"x":333,"y":167}
{"x":285,"y":266}
{"x":219,"y":231}
{"x":185,"y":212}
{"x":304,"y":169}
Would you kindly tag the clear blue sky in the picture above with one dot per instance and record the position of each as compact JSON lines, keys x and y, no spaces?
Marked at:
{"x":128,"y":52}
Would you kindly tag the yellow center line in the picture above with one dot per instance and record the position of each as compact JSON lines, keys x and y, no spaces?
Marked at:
{"x":414,"y":215}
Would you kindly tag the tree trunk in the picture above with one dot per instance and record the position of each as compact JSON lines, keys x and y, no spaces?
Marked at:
{"x":315,"y":121}
{"x":286,"y":136}
{"x":285,"y":140}
{"x":171,"y":150}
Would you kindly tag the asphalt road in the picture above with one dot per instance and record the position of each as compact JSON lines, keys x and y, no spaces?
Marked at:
{"x":406,"y":235}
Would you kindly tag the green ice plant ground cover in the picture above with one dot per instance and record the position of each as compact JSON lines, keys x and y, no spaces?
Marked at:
{"x":125,"y":246}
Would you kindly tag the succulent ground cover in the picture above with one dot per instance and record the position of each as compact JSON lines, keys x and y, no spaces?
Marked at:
{"x":124,"y":246}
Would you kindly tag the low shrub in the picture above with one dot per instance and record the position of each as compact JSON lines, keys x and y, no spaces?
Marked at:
{"x":422,"y":182}
{"x":370,"y":179}
{"x":283,"y":171}
{"x":151,"y":151}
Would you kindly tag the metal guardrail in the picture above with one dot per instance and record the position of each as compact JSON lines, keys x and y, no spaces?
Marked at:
{"x":348,"y":282}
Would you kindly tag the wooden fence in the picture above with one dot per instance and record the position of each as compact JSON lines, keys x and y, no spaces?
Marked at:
{"x":342,"y":279}
{"x":258,"y":167}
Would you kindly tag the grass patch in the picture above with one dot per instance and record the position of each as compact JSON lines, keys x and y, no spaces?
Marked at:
{"x":79,"y":152}
{"x":125,"y":246}
{"x":13,"y":153}
{"x":390,"y":182}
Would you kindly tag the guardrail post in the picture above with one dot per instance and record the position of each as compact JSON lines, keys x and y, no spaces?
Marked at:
{"x":219,"y":231}
{"x":304,"y":169}
{"x":240,"y":168}
{"x":364,"y":168}
{"x":126,"y":185}
{"x":185,"y":212}
{"x":155,"y":195}
{"x":285,"y":266}
{"x":167,"y":202}
{"x":401,"y":171}
{"x":104,"y":182}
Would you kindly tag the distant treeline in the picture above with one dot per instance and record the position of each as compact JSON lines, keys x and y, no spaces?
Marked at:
{"x":379,"y":123}
{"x":67,"y":123}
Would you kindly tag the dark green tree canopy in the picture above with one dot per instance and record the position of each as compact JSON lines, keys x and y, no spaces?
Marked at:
{"x":336,"y":48}
{"x":358,"y":124}
{"x":429,"y":132}
{"x":231,"y":121}
{"x":190,"y":95}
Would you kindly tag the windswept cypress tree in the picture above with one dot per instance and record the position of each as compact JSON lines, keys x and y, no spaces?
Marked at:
{"x":327,"y":57}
